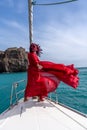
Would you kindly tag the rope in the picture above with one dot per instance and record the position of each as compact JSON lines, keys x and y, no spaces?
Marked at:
{"x":56,"y":3}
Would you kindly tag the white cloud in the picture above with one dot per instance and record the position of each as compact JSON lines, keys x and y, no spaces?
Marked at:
{"x":13,"y":34}
{"x":61,"y":31}
{"x":14,"y":25}
{"x":65,"y":40}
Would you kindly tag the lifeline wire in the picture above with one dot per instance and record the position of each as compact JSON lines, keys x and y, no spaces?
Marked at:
{"x":63,"y":2}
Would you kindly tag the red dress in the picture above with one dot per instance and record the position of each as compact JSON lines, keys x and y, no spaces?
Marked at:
{"x":41,"y":82}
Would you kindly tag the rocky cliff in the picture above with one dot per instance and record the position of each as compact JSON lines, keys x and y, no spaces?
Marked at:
{"x":13,"y":60}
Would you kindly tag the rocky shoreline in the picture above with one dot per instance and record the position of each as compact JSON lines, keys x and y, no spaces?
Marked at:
{"x":13,"y":60}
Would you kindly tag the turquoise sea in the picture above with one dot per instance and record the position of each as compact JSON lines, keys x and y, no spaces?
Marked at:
{"x":74,"y":98}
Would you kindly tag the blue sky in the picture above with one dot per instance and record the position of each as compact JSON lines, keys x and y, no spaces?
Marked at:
{"x":61,"y":30}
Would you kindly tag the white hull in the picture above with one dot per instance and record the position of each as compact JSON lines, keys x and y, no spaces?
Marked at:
{"x":45,"y":115}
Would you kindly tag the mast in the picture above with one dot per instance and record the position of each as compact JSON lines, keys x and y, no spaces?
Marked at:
{"x":30,"y":18}
{"x":30,"y":14}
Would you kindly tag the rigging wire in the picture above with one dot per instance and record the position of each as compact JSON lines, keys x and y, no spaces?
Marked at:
{"x":55,"y":3}
{"x":68,"y":115}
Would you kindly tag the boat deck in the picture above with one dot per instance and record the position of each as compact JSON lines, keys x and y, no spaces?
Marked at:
{"x":44,"y":115}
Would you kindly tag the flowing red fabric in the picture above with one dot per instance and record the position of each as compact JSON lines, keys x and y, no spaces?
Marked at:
{"x":41,"y":82}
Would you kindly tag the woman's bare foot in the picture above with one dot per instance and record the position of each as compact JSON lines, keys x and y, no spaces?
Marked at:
{"x":40,"y":99}
{"x":34,"y":97}
{"x":26,"y":99}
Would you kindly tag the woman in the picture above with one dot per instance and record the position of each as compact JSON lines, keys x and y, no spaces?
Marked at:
{"x":44,"y":76}
{"x":35,"y":83}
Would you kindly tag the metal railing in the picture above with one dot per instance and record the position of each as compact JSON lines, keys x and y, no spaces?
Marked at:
{"x":15,"y":93}
{"x":55,"y":100}
{"x":14,"y":96}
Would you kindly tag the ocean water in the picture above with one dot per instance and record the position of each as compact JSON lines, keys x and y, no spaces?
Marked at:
{"x":74,"y":98}
{"x":6,"y":82}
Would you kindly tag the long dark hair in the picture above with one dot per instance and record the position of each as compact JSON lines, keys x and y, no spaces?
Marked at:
{"x":36,"y":47}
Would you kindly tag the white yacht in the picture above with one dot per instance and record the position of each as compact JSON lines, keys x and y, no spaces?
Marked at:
{"x":45,"y":115}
